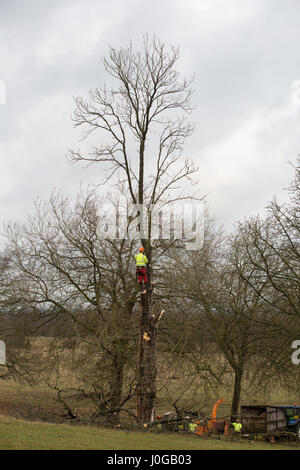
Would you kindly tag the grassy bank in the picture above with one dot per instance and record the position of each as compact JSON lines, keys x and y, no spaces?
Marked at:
{"x":18,"y":434}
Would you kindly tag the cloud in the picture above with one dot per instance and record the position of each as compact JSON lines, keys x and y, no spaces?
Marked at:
{"x":244,"y":166}
{"x":243,"y":57}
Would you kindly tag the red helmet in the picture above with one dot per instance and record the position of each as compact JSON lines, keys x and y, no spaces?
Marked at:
{"x":142,"y":248}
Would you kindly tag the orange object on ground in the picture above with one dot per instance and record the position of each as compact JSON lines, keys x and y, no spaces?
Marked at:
{"x":212,"y":420}
{"x":209,"y":427}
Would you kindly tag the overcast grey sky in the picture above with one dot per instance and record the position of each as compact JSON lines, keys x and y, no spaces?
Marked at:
{"x":244,"y":54}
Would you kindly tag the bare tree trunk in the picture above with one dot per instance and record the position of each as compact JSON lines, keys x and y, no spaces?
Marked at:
{"x":146,"y":383}
{"x":116,"y":383}
{"x":235,"y":405}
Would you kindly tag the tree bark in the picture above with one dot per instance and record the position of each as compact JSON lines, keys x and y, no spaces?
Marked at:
{"x":146,"y":374}
{"x":235,"y":405}
{"x":116,"y":383}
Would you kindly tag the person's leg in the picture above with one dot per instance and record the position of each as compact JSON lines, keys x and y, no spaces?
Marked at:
{"x":145,"y":279}
{"x":141,"y":279}
{"x":141,"y":286}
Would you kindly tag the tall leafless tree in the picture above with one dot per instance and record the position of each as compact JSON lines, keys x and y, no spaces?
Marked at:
{"x":143,"y":115}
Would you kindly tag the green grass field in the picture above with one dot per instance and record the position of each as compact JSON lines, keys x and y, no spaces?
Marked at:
{"x":18,"y":434}
{"x":27,"y":415}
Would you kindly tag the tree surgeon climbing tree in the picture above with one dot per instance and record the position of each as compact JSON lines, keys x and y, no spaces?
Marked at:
{"x":142,"y":110}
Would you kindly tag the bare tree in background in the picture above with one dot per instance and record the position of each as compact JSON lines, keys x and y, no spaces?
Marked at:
{"x":141,"y":140}
{"x":226,"y":313}
{"x":272,"y":248}
{"x":60,"y":267}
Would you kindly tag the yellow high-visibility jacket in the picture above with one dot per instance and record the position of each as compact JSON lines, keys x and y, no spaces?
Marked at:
{"x":237,"y":427}
{"x":141,"y":260}
{"x":193,"y":427}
